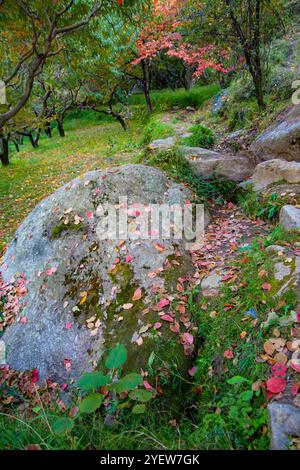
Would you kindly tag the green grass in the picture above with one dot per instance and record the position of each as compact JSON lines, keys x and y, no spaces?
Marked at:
{"x":156,"y":129}
{"x":201,"y":136}
{"x":166,"y":99}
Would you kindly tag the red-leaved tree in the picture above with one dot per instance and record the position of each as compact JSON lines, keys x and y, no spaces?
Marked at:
{"x":162,"y":34}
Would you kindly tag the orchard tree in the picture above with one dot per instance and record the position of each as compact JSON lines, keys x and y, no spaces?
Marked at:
{"x":33,"y":32}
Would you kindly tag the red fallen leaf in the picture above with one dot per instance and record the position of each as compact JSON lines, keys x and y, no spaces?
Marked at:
{"x":68,"y":364}
{"x":120,"y":2}
{"x":230,"y":205}
{"x":137,"y":294}
{"x":51,"y":271}
{"x":279,"y":369}
{"x":35,"y":375}
{"x":73,"y":411}
{"x":266,"y":286}
{"x":159,"y":247}
{"x":276,"y":385}
{"x":295,"y":366}
{"x":192,"y":371}
{"x":167,"y":318}
{"x":228,"y":354}
{"x":157,"y":326}
{"x":269,"y":394}
{"x":163,"y":303}
{"x":89,"y":214}
{"x":295,"y":389}
{"x":117,"y":261}
{"x":33,"y":447}
{"x":227,"y":277}
{"x":228,"y":307}
{"x":128,"y":259}
{"x":175,"y":328}
{"x":69,"y":325}
{"x":147,"y":386}
{"x":180,"y":288}
{"x":187,"y":338}
{"x":181,"y":309}
{"x":298,"y":316}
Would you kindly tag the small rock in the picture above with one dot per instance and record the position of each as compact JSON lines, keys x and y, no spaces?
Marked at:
{"x":284,"y":422}
{"x":162,"y":144}
{"x":281,"y":271}
{"x":280,"y":139}
{"x":190,"y":109}
{"x":289,"y":217}
{"x":207,"y":164}
{"x":212,"y":281}
{"x":271,"y":171}
{"x":276,"y":249}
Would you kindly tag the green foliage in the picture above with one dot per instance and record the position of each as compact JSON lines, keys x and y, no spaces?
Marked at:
{"x":163,"y":100}
{"x":117,"y":357}
{"x":62,"y":425}
{"x":201,"y":136}
{"x":174,"y":163}
{"x":263,"y":206}
{"x":91,"y":403}
{"x":91,"y":380}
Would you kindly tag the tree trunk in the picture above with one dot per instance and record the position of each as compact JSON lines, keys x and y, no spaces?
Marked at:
{"x":146,"y":84}
{"x":188,"y":77}
{"x":4,"y":155}
{"x":48,"y":131}
{"x":252,"y":52}
{"x":60,"y":126}
{"x":121,"y":121}
{"x":16,"y":144}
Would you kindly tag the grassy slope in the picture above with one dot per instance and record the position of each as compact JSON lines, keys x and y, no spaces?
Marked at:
{"x":35,"y":173}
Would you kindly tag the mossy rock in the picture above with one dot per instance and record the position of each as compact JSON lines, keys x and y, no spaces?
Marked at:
{"x":77,"y":288}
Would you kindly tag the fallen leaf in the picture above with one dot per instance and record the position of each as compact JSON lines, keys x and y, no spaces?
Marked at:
{"x":279,"y":369}
{"x":228,"y":354}
{"x":276,"y":385}
{"x":266,"y":286}
{"x":137,"y":294}
{"x":127,"y":306}
{"x":269,"y":348}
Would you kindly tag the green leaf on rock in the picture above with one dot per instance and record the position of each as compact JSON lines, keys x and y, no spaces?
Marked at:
{"x":92,"y":380}
{"x":62,"y":425}
{"x":141,"y":395}
{"x":91,"y":403}
{"x":237,"y":379}
{"x":127,"y":383}
{"x":139,"y":409}
{"x":117,"y":357}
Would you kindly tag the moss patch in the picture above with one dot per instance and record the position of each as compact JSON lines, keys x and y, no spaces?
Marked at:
{"x":62,"y":228}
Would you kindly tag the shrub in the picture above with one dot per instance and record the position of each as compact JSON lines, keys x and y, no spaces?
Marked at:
{"x":201,"y":136}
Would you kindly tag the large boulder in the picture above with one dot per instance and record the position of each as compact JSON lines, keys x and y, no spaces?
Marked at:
{"x":272,"y":171}
{"x":208,"y":164}
{"x":80,"y":297}
{"x":281,"y":139}
{"x":290,"y":217}
{"x":284,"y":422}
